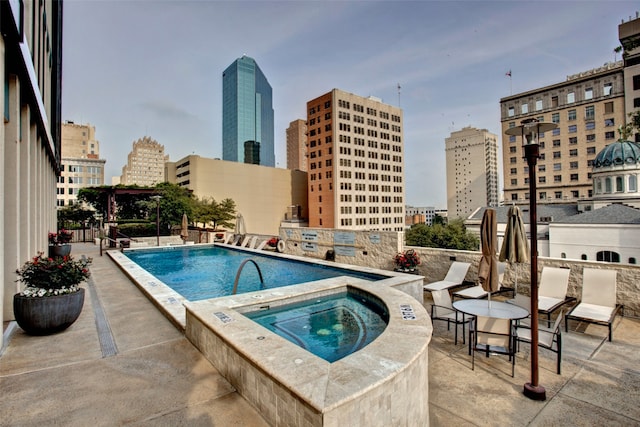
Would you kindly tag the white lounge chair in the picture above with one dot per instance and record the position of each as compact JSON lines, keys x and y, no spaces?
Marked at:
{"x":252,"y":242}
{"x":227,"y":239}
{"x":442,"y":309}
{"x":455,"y":276}
{"x":598,"y":303}
{"x":245,"y":241}
{"x":552,"y":291}
{"x":478,"y":292}
{"x":262,"y":245}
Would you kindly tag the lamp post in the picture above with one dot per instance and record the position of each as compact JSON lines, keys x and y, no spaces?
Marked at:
{"x":157,"y":199}
{"x":529,"y":130}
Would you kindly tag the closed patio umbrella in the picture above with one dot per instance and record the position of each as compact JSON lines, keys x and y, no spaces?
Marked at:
{"x":488,"y":268}
{"x":240,"y":226}
{"x":184,"y":232}
{"x":515,"y":248}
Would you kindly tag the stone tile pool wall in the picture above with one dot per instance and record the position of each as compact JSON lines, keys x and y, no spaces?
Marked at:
{"x":385,"y":383}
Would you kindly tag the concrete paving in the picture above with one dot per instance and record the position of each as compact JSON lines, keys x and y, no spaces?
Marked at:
{"x":124,"y":363}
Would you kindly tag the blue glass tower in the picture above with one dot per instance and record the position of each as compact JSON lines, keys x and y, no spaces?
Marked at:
{"x":247,"y":114}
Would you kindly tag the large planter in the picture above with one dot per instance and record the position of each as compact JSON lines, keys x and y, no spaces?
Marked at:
{"x":59,"y":250}
{"x":47,"y":315}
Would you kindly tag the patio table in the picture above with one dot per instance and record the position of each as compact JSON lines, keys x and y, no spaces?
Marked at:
{"x":495,"y":309}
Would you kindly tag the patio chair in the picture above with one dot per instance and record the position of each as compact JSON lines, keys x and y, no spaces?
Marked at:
{"x":492,"y":335}
{"x":552,"y":291}
{"x":549,"y":338}
{"x":524,"y":302}
{"x":598,"y":303}
{"x":442,"y":309}
{"x":227,"y":239}
{"x":245,"y":241}
{"x":455,"y":276}
{"x":477,"y":291}
{"x":252,"y":242}
{"x":262,"y":245}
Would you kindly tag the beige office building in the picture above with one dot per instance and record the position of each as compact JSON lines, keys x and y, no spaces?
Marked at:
{"x":356,"y":163}
{"x":31,"y":76}
{"x":629,"y":35}
{"x":145,"y":163}
{"x":472,"y":171}
{"x":297,"y":145}
{"x":81,"y":163}
{"x":588,"y":108}
{"x":263,"y":195}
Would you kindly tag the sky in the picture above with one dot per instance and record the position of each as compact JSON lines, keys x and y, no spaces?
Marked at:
{"x":154,"y":67}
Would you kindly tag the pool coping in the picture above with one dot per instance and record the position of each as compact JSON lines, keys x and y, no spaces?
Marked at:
{"x":172,"y":304}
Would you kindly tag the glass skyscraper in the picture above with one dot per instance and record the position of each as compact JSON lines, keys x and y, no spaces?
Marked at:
{"x":247,"y":114}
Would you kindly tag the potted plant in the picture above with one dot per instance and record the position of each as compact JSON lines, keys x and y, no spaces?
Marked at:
{"x":59,"y":243}
{"x":52,"y":300}
{"x":406,"y":261}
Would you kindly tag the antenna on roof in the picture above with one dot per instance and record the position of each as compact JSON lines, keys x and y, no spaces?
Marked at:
{"x":399,"y":95}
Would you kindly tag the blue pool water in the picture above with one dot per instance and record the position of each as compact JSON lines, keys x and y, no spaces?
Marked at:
{"x":199,"y":273}
{"x":330,"y":327}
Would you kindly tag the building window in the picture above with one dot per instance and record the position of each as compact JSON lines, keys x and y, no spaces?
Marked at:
{"x":514,"y":181}
{"x":557,"y":166}
{"x":607,"y":185}
{"x":636,"y":82}
{"x":590,"y":125}
{"x":571,"y":115}
{"x":512,"y":138}
{"x":591,"y":150}
{"x":589,"y":112}
{"x":633,"y":183}
{"x":542,"y":168}
{"x":608,"y":107}
{"x":555,"y":117}
{"x":573,"y":153}
{"x":591,"y":137}
{"x":556,"y":155}
{"x":583,"y":257}
{"x":514,"y":171}
{"x":557,"y":194}
{"x":555,"y":132}
{"x":513,"y":160}
{"x":619,"y":186}
{"x":573,"y":140}
{"x":563,"y":255}
{"x":574,"y":177}
{"x":608,"y":89}
{"x":609,"y":122}
{"x":573,"y":128}
{"x":538,"y":104}
{"x":588,"y":93}
{"x":554,"y":102}
{"x":543,"y":195}
{"x":608,"y":256}
{"x":556,"y":143}
{"x":575,"y":194}
{"x":512,"y":111}
{"x":573,"y":165}
{"x":571,"y":98}
{"x":542,"y":179}
{"x":514,"y":196}
{"x":609,"y":135}
{"x":524,"y":108}
{"x":557,"y":178}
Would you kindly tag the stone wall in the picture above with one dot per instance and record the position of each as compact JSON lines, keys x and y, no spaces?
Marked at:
{"x":377,"y":248}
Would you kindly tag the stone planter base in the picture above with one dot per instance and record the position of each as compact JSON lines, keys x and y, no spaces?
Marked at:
{"x":59,"y":250}
{"x":47,"y":315}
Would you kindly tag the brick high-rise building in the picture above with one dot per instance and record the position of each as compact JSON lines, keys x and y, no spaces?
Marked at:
{"x":356,"y":163}
{"x":297,"y":145}
{"x":588,"y":108}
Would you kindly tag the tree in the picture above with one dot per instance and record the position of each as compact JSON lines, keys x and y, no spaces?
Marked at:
{"x":453,"y":235}
{"x":74,"y":214}
{"x":208,"y":211}
{"x":175,"y":201}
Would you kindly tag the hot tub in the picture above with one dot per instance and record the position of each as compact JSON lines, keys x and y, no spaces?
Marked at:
{"x":383,"y":383}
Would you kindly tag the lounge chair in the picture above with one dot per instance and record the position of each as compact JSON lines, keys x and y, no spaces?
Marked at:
{"x":442,"y":309}
{"x":252,"y":242}
{"x":552,"y":291}
{"x":227,"y":239}
{"x":549,"y":338}
{"x":245,"y":241}
{"x":455,"y":276}
{"x":478,"y":292}
{"x":598,"y":303}
{"x":236,"y":240}
{"x":491,"y":335}
{"x":262,"y":245}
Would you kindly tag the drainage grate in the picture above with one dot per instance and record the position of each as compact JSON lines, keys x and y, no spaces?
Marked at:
{"x":107,"y":342}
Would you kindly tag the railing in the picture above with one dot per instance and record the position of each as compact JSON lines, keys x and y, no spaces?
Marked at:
{"x":235,"y":283}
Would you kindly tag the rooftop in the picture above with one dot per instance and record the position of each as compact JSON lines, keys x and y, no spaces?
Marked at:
{"x":122,"y":362}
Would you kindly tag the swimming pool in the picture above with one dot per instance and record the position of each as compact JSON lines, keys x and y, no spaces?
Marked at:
{"x":331,"y":327}
{"x":199,"y":273}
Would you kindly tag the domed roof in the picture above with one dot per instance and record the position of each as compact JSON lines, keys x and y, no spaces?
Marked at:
{"x":618,"y":154}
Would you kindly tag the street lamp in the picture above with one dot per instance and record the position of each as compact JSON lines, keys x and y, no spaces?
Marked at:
{"x":529,"y":131}
{"x":157,"y":199}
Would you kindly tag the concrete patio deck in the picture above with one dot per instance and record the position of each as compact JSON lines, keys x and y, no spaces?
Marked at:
{"x":124,"y":363}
